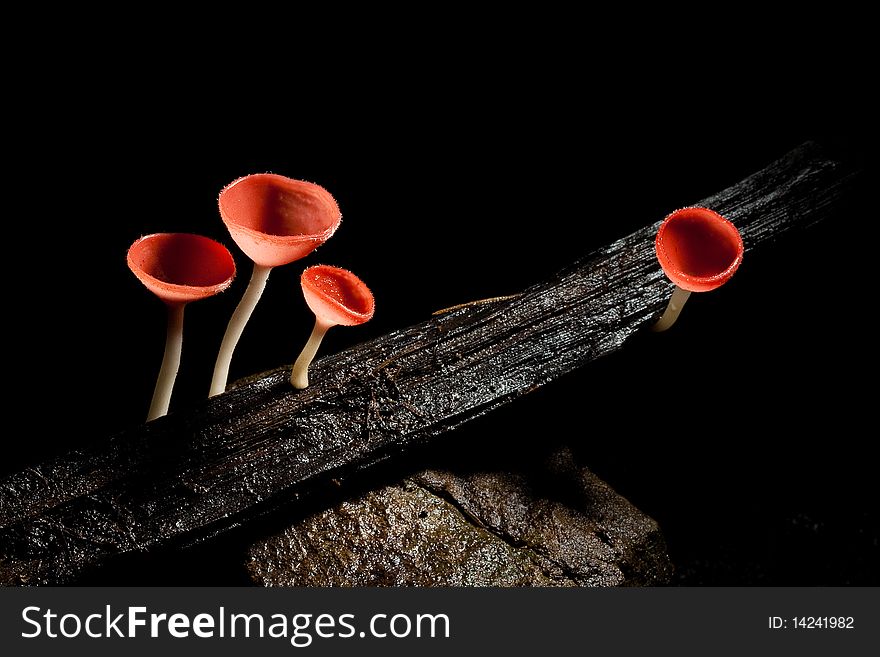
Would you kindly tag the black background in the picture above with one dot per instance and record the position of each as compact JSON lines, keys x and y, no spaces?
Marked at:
{"x":744,"y":430}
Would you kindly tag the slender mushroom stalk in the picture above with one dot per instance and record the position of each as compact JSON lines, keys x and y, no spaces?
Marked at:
{"x":170,"y":362}
{"x":337,"y":297}
{"x":275,"y":220}
{"x":699,"y":251}
{"x":234,"y":329}
{"x":178,"y":268}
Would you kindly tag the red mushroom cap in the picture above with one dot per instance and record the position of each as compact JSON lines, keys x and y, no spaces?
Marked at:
{"x":698,"y":249}
{"x":276,"y":220}
{"x":337,"y":296}
{"x":181,"y":267}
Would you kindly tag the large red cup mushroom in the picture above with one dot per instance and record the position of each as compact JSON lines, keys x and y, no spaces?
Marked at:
{"x":338,"y":298}
{"x":699,"y":250}
{"x":178,"y":268}
{"x":275,"y":220}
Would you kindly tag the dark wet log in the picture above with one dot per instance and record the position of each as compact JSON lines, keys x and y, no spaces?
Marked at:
{"x":484,"y":528}
{"x":197,"y":473}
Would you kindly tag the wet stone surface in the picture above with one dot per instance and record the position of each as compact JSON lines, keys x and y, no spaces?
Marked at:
{"x":559,"y":525}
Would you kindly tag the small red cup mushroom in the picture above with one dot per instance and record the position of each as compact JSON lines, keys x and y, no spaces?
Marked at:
{"x":178,"y":268}
{"x":275,"y":220}
{"x":699,"y":251}
{"x":338,"y":298}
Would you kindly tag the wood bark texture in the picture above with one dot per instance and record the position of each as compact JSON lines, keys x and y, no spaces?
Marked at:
{"x":196,"y":473}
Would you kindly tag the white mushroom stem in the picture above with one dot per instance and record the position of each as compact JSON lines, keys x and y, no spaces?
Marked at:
{"x":236,"y":325}
{"x":676,"y":303}
{"x":170,"y":362}
{"x":299,"y":378}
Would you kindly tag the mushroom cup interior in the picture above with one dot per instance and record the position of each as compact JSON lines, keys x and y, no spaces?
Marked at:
{"x":698,"y":249}
{"x":280,"y":206}
{"x":337,"y":296}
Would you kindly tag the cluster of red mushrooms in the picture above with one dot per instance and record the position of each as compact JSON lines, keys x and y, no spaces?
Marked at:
{"x":276,"y":220}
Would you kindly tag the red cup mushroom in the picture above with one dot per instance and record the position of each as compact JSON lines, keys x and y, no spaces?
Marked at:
{"x":275,"y":220}
{"x":699,"y":250}
{"x":178,"y":268}
{"x":338,"y":298}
